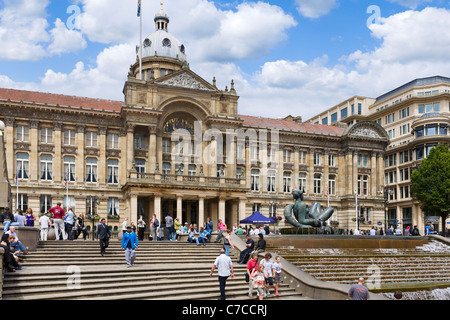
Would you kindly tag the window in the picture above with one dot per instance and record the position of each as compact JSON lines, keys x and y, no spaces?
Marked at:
{"x":166,"y":168}
{"x":69,"y":202}
{"x":344,"y":113}
{"x":22,"y":165}
{"x":240,"y":152}
{"x":256,"y":207}
{"x":166,"y":145}
{"x":254,"y":153}
{"x":302,"y":156}
{"x":325,"y":121}
{"x":443,"y":130}
{"x":113,"y":141}
{"x":23,"y":202}
{"x":271,"y":181}
{"x":239,"y":173}
{"x":179,"y":169}
{"x":91,"y":139}
{"x":46,"y":135}
{"x":429,"y":107}
{"x":317,"y":159}
{"x":317,"y":183}
{"x":69,"y":137}
{"x":139,"y":141}
{"x":302,"y":182}
{"x":331,"y":184}
{"x":272,"y":155}
{"x":287,"y":155}
{"x":359,"y":108}
{"x":255,"y":180}
{"x":363,"y":185}
{"x":404,"y":113}
{"x":69,"y":168}
{"x":113,"y":171}
{"x":332,"y":160}
{"x":431,"y":130}
{"x":113,"y":206}
{"x":363,"y":161}
{"x":390,"y":118}
{"x":391,"y":133}
{"x":287,"y":182}
{"x":22,"y":134}
{"x":45,"y":203}
{"x":46,"y":167}
{"x":419,"y":132}
{"x":334,"y":118}
{"x":192,"y":170}
{"x":404,"y":129}
{"x":91,"y":205}
{"x":139,"y":164}
{"x":220,"y":171}
{"x":91,"y":170}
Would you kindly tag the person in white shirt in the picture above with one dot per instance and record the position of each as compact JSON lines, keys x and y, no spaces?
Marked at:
{"x":225,"y":269}
{"x":44,"y":223}
{"x":20,"y":218}
{"x":373,"y":232}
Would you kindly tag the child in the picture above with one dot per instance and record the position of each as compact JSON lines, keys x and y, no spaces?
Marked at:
{"x":160,"y":234}
{"x":259,"y":280}
{"x":277,"y":280}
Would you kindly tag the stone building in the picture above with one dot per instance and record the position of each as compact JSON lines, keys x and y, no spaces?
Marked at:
{"x":416,"y":117}
{"x":177,"y":145}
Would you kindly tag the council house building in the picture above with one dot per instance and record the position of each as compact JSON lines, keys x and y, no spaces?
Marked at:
{"x":178,"y":145}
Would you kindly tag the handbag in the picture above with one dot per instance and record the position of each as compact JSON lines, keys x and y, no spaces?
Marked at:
{"x":247,"y":277}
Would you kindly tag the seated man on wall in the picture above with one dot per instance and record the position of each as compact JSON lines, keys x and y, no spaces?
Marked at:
{"x":250,"y":246}
{"x":16,"y":245}
{"x":7,"y":218}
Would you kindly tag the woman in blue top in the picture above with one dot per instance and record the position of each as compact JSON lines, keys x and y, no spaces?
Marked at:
{"x":129,"y":244}
{"x":209,"y":228}
{"x":202,"y":236}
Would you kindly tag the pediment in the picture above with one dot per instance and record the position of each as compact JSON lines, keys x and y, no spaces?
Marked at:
{"x":186,"y":80}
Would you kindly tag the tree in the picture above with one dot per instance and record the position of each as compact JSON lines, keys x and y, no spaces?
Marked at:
{"x":431,"y":183}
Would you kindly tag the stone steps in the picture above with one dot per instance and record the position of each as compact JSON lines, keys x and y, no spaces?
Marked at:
{"x":162,"y":270}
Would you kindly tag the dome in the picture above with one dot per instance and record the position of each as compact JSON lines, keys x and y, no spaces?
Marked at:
{"x":161,"y":43}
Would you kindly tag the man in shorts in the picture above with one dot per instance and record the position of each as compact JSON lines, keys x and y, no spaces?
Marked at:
{"x":269,"y":272}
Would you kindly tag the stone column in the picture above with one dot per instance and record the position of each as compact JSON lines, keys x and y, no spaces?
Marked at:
{"x":152,"y":154}
{"x":180,"y":207}
{"x":58,"y":170}
{"x":310,"y":176}
{"x":222,"y":209}
{"x":132,"y":212}
{"x":380,"y":169}
{"x":373,"y":175}
{"x":157,"y":207}
{"x":201,"y":210}
{"x":34,"y":152}
{"x":123,"y":174}
{"x":231,"y":155}
{"x":355,"y":172}
{"x":80,"y":166}
{"x":102,"y":161}
{"x":349,"y":160}
{"x":130,"y":146}
{"x":242,"y":209}
{"x":9,"y":146}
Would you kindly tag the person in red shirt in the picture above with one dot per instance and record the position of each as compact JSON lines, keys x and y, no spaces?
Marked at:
{"x":251,"y":266}
{"x":58,"y":220}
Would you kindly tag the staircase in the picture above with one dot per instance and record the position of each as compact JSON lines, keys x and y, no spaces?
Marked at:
{"x":72,"y":270}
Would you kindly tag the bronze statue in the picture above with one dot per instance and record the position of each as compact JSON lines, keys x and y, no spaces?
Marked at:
{"x":298,"y":214}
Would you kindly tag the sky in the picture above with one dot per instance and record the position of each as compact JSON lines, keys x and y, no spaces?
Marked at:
{"x":291,"y":57}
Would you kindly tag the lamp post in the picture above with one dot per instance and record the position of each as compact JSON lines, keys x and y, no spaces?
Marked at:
{"x":386,"y":191}
{"x":275,"y":204}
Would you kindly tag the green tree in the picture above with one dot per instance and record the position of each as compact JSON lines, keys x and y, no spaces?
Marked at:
{"x":431,"y":183}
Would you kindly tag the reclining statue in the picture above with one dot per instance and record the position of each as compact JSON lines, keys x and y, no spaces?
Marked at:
{"x":298,"y":215}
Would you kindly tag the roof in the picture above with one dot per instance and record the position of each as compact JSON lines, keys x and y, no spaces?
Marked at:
{"x":60,"y":99}
{"x":281,"y":124}
{"x":416,"y":82}
{"x":115,"y":106}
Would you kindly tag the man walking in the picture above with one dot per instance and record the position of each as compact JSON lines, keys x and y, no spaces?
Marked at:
{"x":103,"y":235}
{"x":169,"y":227}
{"x":69,"y":223}
{"x":129,"y":244}
{"x":58,"y":220}
{"x":224,"y":269}
{"x":359,"y":291}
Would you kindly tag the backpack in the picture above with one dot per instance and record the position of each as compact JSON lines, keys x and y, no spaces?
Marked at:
{"x":156,"y":223}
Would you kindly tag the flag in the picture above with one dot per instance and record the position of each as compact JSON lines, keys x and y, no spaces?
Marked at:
{"x":66,"y":179}
{"x":139,"y":8}
{"x":16,"y":183}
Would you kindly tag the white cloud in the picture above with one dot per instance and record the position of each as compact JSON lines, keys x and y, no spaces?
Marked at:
{"x":24,"y":35}
{"x":315,"y":8}
{"x":65,"y":40}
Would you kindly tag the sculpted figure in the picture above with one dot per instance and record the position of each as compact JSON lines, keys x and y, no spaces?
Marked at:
{"x":298,"y":214}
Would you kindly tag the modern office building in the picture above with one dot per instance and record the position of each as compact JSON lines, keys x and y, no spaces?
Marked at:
{"x":416,"y":117}
{"x":177,"y":145}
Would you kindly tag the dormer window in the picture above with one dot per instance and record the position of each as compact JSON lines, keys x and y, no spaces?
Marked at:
{"x":166,"y":43}
{"x":147,"y":43}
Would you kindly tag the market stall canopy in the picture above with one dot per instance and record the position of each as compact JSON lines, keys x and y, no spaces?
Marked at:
{"x":257,"y":218}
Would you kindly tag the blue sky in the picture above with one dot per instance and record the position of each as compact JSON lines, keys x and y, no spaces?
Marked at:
{"x":296,"y":57}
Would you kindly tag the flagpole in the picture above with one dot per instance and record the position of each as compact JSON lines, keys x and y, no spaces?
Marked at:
{"x":140,"y":41}
{"x":17,"y":193}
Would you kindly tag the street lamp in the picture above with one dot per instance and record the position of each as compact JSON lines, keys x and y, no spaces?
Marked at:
{"x":386,"y":191}
{"x":275,"y":204}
